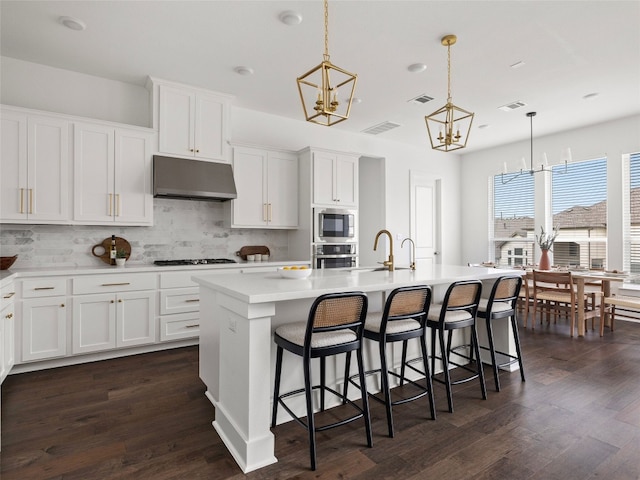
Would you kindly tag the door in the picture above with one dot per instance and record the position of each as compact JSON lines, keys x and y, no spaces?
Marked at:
{"x":44,"y":328}
{"x":249,"y":209}
{"x":282,"y":190}
{"x":346,"y":180}
{"x":209,"y":123}
{"x":94,"y":323}
{"x":425,"y":215}
{"x":13,"y":167}
{"x":136,"y":318}
{"x":177,"y":117}
{"x":94,"y":173}
{"x":133,"y":202}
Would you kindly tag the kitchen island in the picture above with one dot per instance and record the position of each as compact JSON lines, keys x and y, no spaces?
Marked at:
{"x":238,"y":314}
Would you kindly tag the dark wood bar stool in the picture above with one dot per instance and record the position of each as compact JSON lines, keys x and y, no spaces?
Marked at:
{"x":458,"y":310}
{"x":502,"y":303}
{"x":335,"y":325}
{"x":404,"y":318}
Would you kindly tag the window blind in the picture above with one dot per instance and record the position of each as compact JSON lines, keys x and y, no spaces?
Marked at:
{"x":579,"y":208}
{"x":632,"y":214}
{"x":512,"y":210}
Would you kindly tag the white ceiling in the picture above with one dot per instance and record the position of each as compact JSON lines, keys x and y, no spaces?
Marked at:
{"x":569,"y":48}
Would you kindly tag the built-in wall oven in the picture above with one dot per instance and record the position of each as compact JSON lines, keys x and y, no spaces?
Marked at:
{"x":341,"y":255}
{"x":334,"y":225}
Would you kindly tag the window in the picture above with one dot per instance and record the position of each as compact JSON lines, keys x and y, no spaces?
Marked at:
{"x":511,"y":229}
{"x":579,"y":206}
{"x":632,"y":215}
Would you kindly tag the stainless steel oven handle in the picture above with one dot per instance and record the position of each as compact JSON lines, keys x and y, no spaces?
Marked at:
{"x":342,"y":255}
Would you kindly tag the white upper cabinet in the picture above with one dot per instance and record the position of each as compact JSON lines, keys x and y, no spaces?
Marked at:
{"x":267,"y":185}
{"x":192,"y":122}
{"x":335,"y":179}
{"x":34,"y":168}
{"x":112,"y":175}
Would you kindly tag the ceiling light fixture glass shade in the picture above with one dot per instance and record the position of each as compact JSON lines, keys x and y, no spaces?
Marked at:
{"x":544,"y":166}
{"x":449,"y":126}
{"x":326,"y":91}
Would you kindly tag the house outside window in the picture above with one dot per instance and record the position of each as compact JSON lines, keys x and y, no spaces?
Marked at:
{"x":579,"y":206}
{"x":512,"y":212}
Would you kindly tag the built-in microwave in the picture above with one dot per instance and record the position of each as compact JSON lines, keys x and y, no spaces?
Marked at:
{"x":342,"y":255}
{"x":333,"y":225}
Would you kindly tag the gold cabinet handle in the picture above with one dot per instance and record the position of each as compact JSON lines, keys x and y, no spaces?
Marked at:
{"x":9,"y":315}
{"x":192,"y":326}
{"x":117,"y":204}
{"x":44,"y":288}
{"x":22,"y":200}
{"x":31,"y":200}
{"x":62,"y":305}
{"x":192,"y":300}
{"x":119,"y":300}
{"x":110,"y":204}
{"x":264,"y":212}
{"x":9,"y":295}
{"x":191,"y":149}
{"x":115,"y":284}
{"x":269,"y":214}
{"x":112,"y":301}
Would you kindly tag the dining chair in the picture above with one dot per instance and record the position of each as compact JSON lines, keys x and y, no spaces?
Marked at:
{"x":554,"y":293}
{"x":335,"y":325}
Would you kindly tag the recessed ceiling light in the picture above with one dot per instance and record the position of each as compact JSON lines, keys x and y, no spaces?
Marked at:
{"x":289,"y":17}
{"x":518,"y":65}
{"x":356,"y":100}
{"x":242,"y":70}
{"x":483,"y":126}
{"x":590,"y":95}
{"x":417,"y":67}
{"x":72,"y":23}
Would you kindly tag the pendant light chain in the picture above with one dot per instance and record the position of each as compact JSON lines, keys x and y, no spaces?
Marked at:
{"x":326,"y":30}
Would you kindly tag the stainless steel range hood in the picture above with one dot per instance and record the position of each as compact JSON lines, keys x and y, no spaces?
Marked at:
{"x":192,"y":179}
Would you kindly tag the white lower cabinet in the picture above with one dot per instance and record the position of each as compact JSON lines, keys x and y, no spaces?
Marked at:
{"x":7,"y":335}
{"x":106,"y":321}
{"x":44,"y":328}
{"x":123,"y":316}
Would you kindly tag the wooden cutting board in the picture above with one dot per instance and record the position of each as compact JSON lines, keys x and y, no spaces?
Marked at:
{"x":251,"y":250}
{"x":105,"y":246}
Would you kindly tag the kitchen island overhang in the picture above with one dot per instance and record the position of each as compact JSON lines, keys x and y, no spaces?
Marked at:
{"x":238,"y":313}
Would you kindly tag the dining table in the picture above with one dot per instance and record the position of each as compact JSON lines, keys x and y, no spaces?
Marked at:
{"x":582,"y":277}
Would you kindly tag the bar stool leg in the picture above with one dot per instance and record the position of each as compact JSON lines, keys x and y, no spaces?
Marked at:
{"x":276,"y":391}
{"x":323,"y":370}
{"x":474,"y":340}
{"x":365,"y":398}
{"x":345,"y":387}
{"x":425,"y":361}
{"x":492,"y":351}
{"x":516,"y":339}
{"x":445,"y":367}
{"x":384,"y":377}
{"x":310,"y":420}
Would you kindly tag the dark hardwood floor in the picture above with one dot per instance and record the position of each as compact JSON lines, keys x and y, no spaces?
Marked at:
{"x":145,"y":417}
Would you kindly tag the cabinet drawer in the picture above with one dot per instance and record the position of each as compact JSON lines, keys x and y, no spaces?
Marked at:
{"x":113,"y":283}
{"x":44,"y":287}
{"x":176,"y":327}
{"x":179,"y":279}
{"x":179,"y":300}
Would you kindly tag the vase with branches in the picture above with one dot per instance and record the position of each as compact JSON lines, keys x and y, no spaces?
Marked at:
{"x":545,"y":242}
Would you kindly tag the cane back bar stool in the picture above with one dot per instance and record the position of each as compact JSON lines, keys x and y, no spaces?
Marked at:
{"x":458,"y":310}
{"x":335,"y":325}
{"x":502,"y":303}
{"x":404,"y":317}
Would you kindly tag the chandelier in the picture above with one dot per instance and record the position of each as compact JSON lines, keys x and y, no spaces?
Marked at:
{"x":319,"y":87}
{"x":450,"y":123}
{"x":544,"y":166}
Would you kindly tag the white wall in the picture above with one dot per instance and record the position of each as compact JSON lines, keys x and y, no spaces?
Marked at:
{"x":41,"y":87}
{"x":610,"y":139}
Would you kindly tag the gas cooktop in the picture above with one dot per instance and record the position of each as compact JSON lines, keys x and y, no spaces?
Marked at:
{"x":199,"y":261}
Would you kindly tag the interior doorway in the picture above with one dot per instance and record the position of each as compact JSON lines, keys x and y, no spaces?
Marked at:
{"x":425,"y":210}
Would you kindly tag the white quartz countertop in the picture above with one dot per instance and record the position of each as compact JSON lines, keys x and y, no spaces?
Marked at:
{"x":271,"y":287}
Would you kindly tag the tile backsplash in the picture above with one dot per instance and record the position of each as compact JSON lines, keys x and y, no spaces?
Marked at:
{"x":182,"y":229}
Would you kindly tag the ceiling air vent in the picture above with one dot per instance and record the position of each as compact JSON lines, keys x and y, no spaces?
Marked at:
{"x":381,"y":128}
{"x":512,"y":106}
{"x":421,"y":99}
